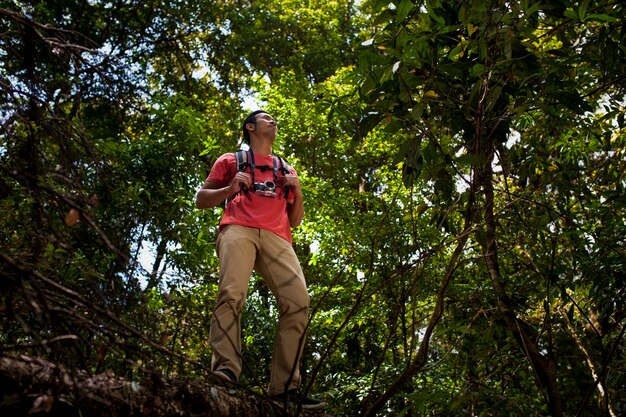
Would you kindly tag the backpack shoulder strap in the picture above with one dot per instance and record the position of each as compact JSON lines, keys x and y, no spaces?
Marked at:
{"x":281,"y":165}
{"x":241,"y":159}
{"x":245,"y":159}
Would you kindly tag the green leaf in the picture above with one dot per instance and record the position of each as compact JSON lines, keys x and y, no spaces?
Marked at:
{"x":477,"y":70}
{"x":455,"y":70}
{"x":435,"y":17}
{"x":600,"y":18}
{"x":571,"y":14}
{"x":470,"y":159}
{"x":444,"y":185}
{"x":385,"y":16}
{"x":457,"y":52}
{"x":412,"y":167}
{"x":493,"y":97}
{"x":405,"y":7}
{"x":380,"y":4}
{"x":582,"y":10}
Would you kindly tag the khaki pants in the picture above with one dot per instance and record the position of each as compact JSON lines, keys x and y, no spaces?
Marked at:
{"x":240,"y":250}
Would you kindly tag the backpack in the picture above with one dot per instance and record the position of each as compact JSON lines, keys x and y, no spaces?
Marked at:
{"x":245,"y":159}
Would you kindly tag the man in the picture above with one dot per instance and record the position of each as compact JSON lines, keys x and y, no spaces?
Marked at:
{"x":255,"y":234}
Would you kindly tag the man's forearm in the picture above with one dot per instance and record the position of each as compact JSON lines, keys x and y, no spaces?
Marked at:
{"x":211,"y":197}
{"x":295,"y":211}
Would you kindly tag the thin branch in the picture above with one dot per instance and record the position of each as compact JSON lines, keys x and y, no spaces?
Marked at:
{"x":422,"y":354}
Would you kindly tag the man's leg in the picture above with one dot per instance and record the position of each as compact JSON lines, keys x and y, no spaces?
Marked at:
{"x":236,"y":249}
{"x":279,"y":266}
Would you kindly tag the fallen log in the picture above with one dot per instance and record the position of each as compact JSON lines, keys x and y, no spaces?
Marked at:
{"x":34,"y":386}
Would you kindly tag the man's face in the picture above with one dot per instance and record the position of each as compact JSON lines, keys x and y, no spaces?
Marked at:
{"x":265,"y":124}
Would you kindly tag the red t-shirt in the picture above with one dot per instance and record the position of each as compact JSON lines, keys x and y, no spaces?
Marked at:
{"x":249,"y":209}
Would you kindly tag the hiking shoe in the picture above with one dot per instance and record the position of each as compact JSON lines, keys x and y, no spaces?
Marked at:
{"x":294,"y":397}
{"x":224,"y":375}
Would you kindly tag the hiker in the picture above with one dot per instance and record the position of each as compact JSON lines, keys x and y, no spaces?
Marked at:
{"x":263,"y":201}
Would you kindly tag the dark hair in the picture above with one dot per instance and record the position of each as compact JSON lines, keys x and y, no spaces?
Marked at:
{"x":250,"y":119}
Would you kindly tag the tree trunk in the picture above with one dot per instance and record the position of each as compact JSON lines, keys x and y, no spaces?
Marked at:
{"x":544,"y":367}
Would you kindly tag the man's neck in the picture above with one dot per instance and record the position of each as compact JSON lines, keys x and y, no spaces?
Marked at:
{"x":261,"y":148}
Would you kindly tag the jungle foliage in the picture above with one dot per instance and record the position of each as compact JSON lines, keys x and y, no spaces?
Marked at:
{"x":463,"y":164}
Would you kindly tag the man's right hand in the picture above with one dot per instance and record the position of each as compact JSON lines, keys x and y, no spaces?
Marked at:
{"x":210,"y":195}
{"x":240,"y":182}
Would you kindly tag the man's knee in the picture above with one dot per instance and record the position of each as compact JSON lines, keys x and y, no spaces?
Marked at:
{"x":229,"y":305}
{"x":295,"y":304}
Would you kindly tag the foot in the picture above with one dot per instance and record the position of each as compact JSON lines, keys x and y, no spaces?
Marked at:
{"x":294,"y":397}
